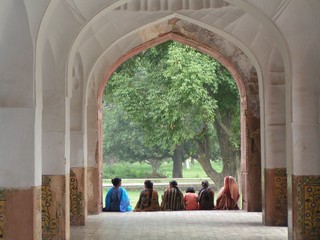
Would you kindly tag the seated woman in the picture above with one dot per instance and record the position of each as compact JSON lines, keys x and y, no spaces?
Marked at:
{"x":117,"y":198}
{"x":172,"y":199}
{"x":148,"y":200}
{"x":228,"y":195}
{"x":206,"y":197}
{"x":190,"y":199}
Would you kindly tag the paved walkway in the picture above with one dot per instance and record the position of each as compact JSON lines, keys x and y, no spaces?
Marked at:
{"x":180,"y":225}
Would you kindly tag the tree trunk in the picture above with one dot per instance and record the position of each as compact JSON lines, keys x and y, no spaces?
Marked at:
{"x":230,"y":156}
{"x":177,"y":162}
{"x":204,"y":160}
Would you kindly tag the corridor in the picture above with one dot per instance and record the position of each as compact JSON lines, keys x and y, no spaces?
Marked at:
{"x":182,"y":225}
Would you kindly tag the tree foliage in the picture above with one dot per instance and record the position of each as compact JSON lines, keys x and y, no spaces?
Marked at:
{"x":167,"y":98}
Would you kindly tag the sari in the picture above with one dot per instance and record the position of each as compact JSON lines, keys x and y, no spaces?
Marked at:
{"x":206,"y":199}
{"x":172,"y":200}
{"x":148,"y":201}
{"x":191,"y":201}
{"x":117,"y":200}
{"x":228,"y":195}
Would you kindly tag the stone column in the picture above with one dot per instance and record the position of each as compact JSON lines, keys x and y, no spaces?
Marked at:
{"x":94,"y":155}
{"x":251,"y":164}
{"x":56,"y":170}
{"x":20,"y":124}
{"x":252,"y":200}
{"x":78,"y":177}
{"x":274,"y":169}
{"x":20,"y":175}
{"x":304,"y":208}
{"x":78,"y":158}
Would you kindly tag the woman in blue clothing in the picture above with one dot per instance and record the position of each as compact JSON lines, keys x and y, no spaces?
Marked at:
{"x":117,"y":198}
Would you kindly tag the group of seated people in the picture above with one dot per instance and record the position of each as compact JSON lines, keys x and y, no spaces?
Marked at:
{"x":117,"y":198}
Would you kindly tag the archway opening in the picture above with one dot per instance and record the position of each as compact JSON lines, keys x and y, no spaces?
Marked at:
{"x":246,"y":127}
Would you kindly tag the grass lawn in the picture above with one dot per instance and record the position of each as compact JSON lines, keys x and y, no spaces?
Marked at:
{"x":139,"y":170}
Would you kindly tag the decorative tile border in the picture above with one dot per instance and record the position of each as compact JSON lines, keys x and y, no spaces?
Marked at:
{"x":280,"y":189}
{"x":308,"y":209}
{"x":2,"y":216}
{"x":49,"y":223}
{"x":76,"y":201}
{"x":38,"y":214}
{"x":275,"y":197}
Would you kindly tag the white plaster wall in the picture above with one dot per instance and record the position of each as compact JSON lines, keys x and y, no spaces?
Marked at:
{"x":20,"y":108}
{"x":91,"y":131}
{"x":53,"y":147}
{"x":76,"y":106}
{"x":299,"y":24}
{"x":76,"y":150}
{"x":275,"y":117}
{"x":17,"y":157}
{"x":16,"y":53}
{"x":54,"y":39}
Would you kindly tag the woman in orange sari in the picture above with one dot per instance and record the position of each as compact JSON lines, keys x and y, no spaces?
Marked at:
{"x":228,"y":195}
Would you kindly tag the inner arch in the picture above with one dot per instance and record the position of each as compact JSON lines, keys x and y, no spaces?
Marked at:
{"x":241,"y":76}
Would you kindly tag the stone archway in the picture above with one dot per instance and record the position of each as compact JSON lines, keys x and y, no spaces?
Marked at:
{"x":35,"y":95}
{"x":245,"y":75}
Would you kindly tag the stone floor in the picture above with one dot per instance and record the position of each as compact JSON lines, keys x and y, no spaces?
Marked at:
{"x":181,"y":225}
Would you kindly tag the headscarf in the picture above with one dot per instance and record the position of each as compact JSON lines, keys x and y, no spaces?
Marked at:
{"x":230,"y":187}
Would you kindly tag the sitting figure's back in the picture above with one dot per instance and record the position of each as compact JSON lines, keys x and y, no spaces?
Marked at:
{"x":228,"y":195}
{"x":117,"y":198}
{"x":172,"y":199}
{"x":206,"y":197}
{"x":148,"y":199}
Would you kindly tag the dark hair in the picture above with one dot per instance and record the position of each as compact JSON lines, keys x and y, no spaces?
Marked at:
{"x":116,"y":181}
{"x":173,"y":183}
{"x":205,"y":183}
{"x":148,"y":184}
{"x":190,"y":189}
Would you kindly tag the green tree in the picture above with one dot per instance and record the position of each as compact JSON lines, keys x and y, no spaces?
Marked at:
{"x":124,"y":140}
{"x":170,"y":93}
{"x":227,"y":122}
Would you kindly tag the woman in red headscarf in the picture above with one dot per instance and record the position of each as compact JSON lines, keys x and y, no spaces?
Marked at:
{"x":228,"y":195}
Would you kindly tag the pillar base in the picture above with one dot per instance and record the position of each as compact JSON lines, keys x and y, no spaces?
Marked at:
{"x":275,"y":211}
{"x":55,"y":207}
{"x":306,"y":207}
{"x":20,"y":214}
{"x":94,"y":191}
{"x":78,"y":208}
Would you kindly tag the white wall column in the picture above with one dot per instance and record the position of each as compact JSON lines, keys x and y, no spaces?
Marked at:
{"x":20,"y":123}
{"x":303,"y":36}
{"x":274,"y":169}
